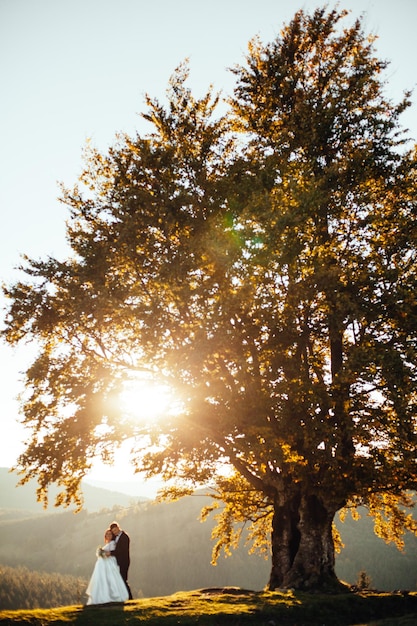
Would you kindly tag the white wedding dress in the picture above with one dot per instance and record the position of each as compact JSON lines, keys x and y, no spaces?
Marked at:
{"x":106,"y":583}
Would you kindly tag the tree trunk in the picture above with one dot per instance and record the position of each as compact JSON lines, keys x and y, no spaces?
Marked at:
{"x":303,"y":554}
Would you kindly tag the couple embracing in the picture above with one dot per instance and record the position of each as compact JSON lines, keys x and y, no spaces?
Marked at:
{"x":108,"y":582}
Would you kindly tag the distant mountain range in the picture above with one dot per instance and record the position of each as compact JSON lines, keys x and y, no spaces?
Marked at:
{"x":134,"y":488}
{"x":97,"y":495}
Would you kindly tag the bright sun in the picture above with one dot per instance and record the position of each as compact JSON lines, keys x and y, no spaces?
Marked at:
{"x":143,"y":400}
{"x":147,"y":399}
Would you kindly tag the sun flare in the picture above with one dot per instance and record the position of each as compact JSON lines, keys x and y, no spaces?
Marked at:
{"x":147,"y":400}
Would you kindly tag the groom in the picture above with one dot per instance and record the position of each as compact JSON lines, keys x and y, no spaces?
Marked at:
{"x":121,"y":552}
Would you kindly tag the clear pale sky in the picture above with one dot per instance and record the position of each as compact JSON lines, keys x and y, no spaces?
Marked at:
{"x":77,"y":69}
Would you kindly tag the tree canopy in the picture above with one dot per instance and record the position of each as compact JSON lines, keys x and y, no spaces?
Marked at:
{"x":262,"y":264}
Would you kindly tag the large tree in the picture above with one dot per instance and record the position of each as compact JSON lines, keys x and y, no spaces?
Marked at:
{"x":261,"y":263}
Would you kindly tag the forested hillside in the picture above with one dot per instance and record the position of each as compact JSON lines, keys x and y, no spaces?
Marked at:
{"x":21,"y":588}
{"x":171,"y":549}
{"x":388,"y":568}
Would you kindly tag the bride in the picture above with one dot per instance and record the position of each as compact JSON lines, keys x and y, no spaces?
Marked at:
{"x":106,"y":583}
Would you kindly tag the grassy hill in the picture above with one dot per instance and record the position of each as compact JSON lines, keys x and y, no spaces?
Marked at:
{"x":233,"y":607}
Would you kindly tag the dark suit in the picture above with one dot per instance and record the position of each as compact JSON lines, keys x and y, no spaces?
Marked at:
{"x":122,"y":554}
